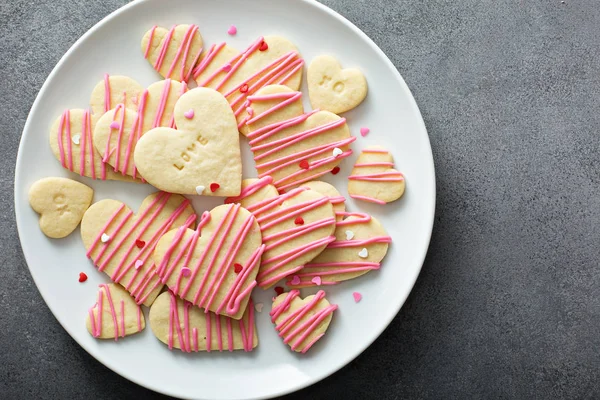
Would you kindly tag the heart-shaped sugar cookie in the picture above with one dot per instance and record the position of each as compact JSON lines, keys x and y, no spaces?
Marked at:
{"x":113,"y":90}
{"x":117,"y":132}
{"x":61,"y":203}
{"x":115,"y":314}
{"x":120,"y":243}
{"x":215,"y":266}
{"x":173,"y":53}
{"x":360,"y":244}
{"x":301,"y":323}
{"x":297,"y":149}
{"x":332,"y":88}
{"x":296,"y":226}
{"x":181,"y":325}
{"x":203,"y":151}
{"x":269,"y":60}
{"x":327,"y":189}
{"x":374,"y":178}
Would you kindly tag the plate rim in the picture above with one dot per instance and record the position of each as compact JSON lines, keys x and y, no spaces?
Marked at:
{"x":347,"y":358}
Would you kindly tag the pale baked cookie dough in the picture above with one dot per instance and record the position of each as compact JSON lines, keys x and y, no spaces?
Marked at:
{"x":121,"y":243}
{"x":291,"y":146}
{"x":181,"y":325}
{"x":115,"y":314}
{"x":201,"y":156}
{"x":113,"y":90}
{"x":301,"y":322}
{"x":337,"y":200}
{"x":332,"y":88}
{"x":61,"y":203}
{"x":374,"y":178}
{"x":215,"y":266}
{"x":174,"y":52}
{"x":296,"y":226}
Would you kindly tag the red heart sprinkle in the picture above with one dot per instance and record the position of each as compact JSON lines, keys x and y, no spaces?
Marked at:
{"x":304,"y":164}
{"x":244,"y":88}
{"x":263,"y":46}
{"x":281,"y":191}
{"x":82,"y":277}
{"x":214,"y":187}
{"x":237,"y":268}
{"x":140,"y":243}
{"x":278,"y":290}
{"x":299,"y":221}
{"x":335,"y":170}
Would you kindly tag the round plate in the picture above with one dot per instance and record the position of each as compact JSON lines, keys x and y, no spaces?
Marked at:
{"x":390,"y":112}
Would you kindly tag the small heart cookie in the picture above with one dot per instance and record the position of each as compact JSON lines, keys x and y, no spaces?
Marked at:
{"x":120,"y":243}
{"x":215,"y":266}
{"x":180,"y":325}
{"x":115,"y":314}
{"x":61,"y":203}
{"x":294,"y":148}
{"x":296,"y":226}
{"x":332,"y":88}
{"x":327,"y":189}
{"x":117,"y":132}
{"x":173,"y":53}
{"x":301,"y":323}
{"x":204,"y":150}
{"x":113,"y":90}
{"x":360,"y":244}
{"x":268,"y":60}
{"x":374,"y":178}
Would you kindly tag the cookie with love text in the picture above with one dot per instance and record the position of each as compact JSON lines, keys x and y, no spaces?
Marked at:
{"x":268,"y":60}
{"x":201,"y":156}
{"x":214,"y":266}
{"x":181,"y":325}
{"x":374,"y":178}
{"x":174,"y":52}
{"x":332,"y":88}
{"x":61,"y":203}
{"x":120,"y":243}
{"x":296,"y":226}
{"x":301,"y":322}
{"x":115,"y":314}
{"x":294,"y":147}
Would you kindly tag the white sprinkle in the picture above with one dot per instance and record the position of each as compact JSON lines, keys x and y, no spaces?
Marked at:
{"x":337,"y":152}
{"x":258,"y":307}
{"x":364,"y":253}
{"x":349,"y":235}
{"x":104,"y":238}
{"x":76,"y":139}
{"x":200,"y":189}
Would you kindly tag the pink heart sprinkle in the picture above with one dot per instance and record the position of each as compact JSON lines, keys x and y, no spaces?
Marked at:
{"x":189,"y":114}
{"x":295,"y":280}
{"x":364,"y":131}
{"x":114,"y":125}
{"x":250,"y":111}
{"x":357,"y":296}
{"x":316,"y":280}
{"x":186,"y":271}
{"x":232,"y":30}
{"x":226,"y":67}
{"x":138,"y":264}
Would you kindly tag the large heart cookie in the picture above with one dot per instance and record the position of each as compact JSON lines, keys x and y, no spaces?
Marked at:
{"x":215,"y":266}
{"x":374,"y":178}
{"x":173,"y":53}
{"x":115,"y":314}
{"x":301,"y":323}
{"x":360,"y":244}
{"x":121,"y":243}
{"x":113,"y":90}
{"x":332,"y":88}
{"x":294,"y":149}
{"x":296,"y":226}
{"x":201,"y":156}
{"x":269,"y":60}
{"x":180,"y":325}
{"x":117,"y":132}
{"x":61,"y":203}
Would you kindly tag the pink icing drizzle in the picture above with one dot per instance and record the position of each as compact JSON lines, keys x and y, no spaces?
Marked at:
{"x":106,"y":93}
{"x":182,"y":53}
{"x":290,"y":328}
{"x":96,"y":320}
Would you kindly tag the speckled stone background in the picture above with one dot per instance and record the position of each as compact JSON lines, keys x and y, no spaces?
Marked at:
{"x":508,"y":302}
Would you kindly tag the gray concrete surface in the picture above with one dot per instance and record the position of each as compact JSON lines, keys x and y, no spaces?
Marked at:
{"x":508,"y":302}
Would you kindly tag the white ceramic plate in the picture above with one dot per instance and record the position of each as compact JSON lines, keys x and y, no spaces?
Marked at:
{"x":272,"y":369}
